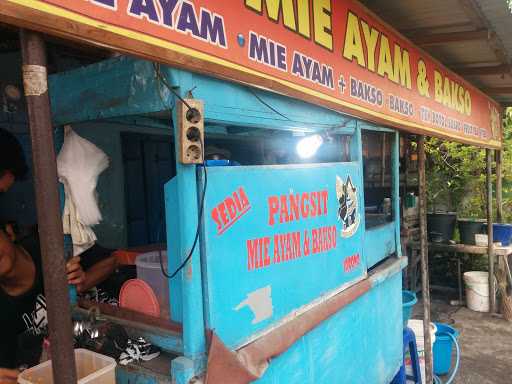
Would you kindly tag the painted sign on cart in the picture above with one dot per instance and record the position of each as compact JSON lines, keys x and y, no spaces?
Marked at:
{"x":283,"y":236}
{"x":333,"y":53}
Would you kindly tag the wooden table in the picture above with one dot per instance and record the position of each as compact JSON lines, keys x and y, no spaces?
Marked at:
{"x":461,"y":249}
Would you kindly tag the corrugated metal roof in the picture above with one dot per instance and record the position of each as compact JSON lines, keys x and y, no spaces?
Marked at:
{"x":420,"y":18}
{"x":412,"y":14}
{"x":500,"y":17}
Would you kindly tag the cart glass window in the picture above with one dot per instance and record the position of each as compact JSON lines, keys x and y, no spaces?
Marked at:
{"x":378,"y":177}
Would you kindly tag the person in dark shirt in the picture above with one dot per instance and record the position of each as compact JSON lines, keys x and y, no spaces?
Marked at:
{"x":12,"y":161}
{"x":12,"y":167}
{"x":22,"y":303}
{"x":23,"y":320}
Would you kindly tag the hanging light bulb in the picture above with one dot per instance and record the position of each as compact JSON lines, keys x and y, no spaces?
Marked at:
{"x":308,"y":146}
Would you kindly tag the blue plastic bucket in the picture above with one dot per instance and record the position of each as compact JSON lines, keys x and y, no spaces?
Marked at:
{"x":502,"y":233}
{"x":443,"y":348}
{"x":408,"y":301}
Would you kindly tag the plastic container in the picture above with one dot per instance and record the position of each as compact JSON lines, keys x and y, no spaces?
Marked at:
{"x":441,"y":224}
{"x":477,"y":290}
{"x":481,"y":239}
{"x":149,"y":270}
{"x":91,"y":368}
{"x":443,"y":348}
{"x":502,"y":233}
{"x":417,"y":327}
{"x":410,"y":200}
{"x":468,"y":228}
{"x":221,"y":163}
{"x":408,"y":301}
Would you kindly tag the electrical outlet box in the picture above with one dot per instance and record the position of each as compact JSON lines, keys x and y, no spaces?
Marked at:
{"x":191,"y":131}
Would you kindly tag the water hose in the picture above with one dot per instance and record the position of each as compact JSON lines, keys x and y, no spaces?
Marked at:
{"x":437,"y":380}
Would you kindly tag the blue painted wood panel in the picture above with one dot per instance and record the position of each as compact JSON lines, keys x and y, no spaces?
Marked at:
{"x":245,"y":295}
{"x":132,"y":376}
{"x":361,"y":344}
{"x":125,"y":87}
{"x":379,"y":243}
{"x":173,"y":248}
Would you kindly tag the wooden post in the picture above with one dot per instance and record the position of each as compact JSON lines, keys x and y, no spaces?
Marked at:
{"x":424,"y":258}
{"x":499,"y":186}
{"x":35,"y":84}
{"x":407,"y":166}
{"x":490,"y":244}
{"x":395,"y":188}
{"x":383,"y":163}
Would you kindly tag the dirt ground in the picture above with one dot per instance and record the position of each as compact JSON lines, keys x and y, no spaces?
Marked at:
{"x":485,"y":340}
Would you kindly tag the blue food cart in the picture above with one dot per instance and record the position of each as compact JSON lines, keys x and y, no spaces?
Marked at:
{"x":280,"y":273}
{"x":279,"y":268}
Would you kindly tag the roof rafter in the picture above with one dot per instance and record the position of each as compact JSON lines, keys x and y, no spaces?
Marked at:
{"x":483,"y":70}
{"x":453,"y":37}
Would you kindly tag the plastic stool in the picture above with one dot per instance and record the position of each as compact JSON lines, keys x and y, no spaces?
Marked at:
{"x":409,"y":344}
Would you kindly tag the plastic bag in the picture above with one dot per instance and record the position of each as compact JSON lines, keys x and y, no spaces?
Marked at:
{"x":79,"y":164}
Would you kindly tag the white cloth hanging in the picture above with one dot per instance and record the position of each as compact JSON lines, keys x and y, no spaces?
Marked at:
{"x":79,"y":164}
{"x":82,"y":236}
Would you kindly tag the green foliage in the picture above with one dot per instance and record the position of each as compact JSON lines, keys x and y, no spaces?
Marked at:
{"x":507,"y":166}
{"x":456,"y":175}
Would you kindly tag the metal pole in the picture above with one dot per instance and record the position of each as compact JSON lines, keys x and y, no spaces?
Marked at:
{"x":499,"y":186}
{"x":35,"y":83}
{"x":424,"y":257}
{"x":490,"y":244}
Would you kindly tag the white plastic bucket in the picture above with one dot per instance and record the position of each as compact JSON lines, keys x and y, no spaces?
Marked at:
{"x":91,"y":368}
{"x":150,"y":270}
{"x":477,"y":290}
{"x":417,"y":327}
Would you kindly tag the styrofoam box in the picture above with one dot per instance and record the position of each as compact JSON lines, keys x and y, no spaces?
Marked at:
{"x":91,"y":368}
{"x":481,"y":239}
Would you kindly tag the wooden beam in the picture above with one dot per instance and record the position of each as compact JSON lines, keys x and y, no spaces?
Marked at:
{"x":483,"y":70}
{"x":453,"y":37}
{"x":472,"y":12}
{"x":498,"y":90}
{"x":499,"y":186}
{"x":490,"y":243}
{"x":383,"y":160}
{"x":455,"y":27}
{"x":425,"y":284}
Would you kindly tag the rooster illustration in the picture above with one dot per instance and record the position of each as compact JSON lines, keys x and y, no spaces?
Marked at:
{"x":346,"y":194}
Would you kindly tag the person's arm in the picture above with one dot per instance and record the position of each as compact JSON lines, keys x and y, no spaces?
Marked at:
{"x":96,"y":274}
{"x":8,"y":376}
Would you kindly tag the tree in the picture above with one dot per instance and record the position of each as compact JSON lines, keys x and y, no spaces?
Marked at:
{"x":507,"y":165}
{"x":456,"y":175}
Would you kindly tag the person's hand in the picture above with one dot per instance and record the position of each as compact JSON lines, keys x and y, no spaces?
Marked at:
{"x":76,"y":275}
{"x":8,"y":376}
